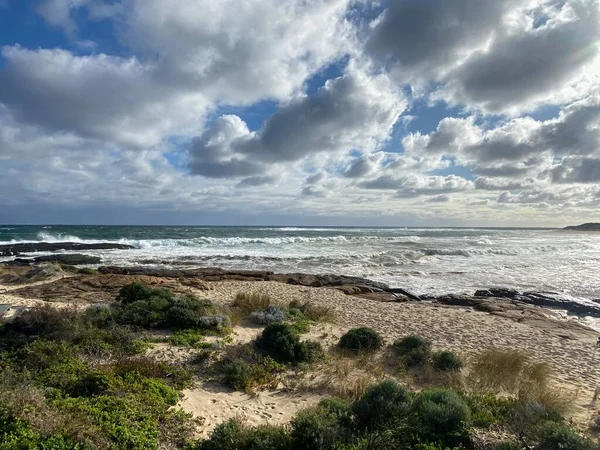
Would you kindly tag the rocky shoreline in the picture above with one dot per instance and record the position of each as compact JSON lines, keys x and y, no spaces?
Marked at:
{"x":31,"y":247}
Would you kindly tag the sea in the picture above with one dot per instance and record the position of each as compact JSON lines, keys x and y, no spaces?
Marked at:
{"x":421,"y":260}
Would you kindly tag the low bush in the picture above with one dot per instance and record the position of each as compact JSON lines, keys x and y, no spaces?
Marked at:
{"x":414,"y":351}
{"x":441,"y":416}
{"x":146,"y":307}
{"x":447,"y":361}
{"x":339,"y":408}
{"x":362,"y":339}
{"x":559,"y":436}
{"x":249,"y":302}
{"x":316,"y":429}
{"x":189,"y":338}
{"x":382,"y":405}
{"x":280,"y":342}
{"x":267,"y":316}
{"x":244,"y":369}
{"x":234,"y":435}
{"x":488,"y":410}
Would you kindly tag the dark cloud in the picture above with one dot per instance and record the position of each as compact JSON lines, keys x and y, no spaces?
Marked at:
{"x":525,"y":66}
{"x":354,"y":111}
{"x":576,"y":170}
{"x":424,"y":35}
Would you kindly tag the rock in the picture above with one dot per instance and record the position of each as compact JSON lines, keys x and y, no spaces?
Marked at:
{"x":70,"y":259}
{"x":30,"y":247}
{"x":497,"y":292}
{"x":195,"y":283}
{"x":459,"y":300}
{"x":590,"y":226}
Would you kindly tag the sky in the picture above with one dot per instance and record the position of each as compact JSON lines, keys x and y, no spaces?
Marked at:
{"x":300,"y":112}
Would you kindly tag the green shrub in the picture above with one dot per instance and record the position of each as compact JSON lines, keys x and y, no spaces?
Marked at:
{"x":413,"y":350}
{"x":86,"y":271}
{"x":146,"y":307}
{"x":243,"y":368}
{"x":362,"y":339}
{"x":235,"y":436}
{"x":447,"y":361}
{"x":315,"y":429}
{"x":440,"y":415}
{"x":189,"y":338}
{"x":301,"y":326}
{"x":310,"y":352}
{"x":339,"y":408}
{"x":382,"y":405}
{"x":279,"y":341}
{"x":559,"y":436}
{"x":488,"y":409}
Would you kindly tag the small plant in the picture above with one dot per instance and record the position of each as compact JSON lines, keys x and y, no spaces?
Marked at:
{"x":249,"y":302}
{"x":233,"y":434}
{"x":382,"y":404}
{"x":362,"y":339}
{"x":488,"y":410}
{"x":269,"y":315}
{"x":440,"y":415}
{"x":189,"y":338}
{"x":559,"y":436}
{"x":414,"y":351}
{"x":315,"y":429}
{"x":447,"y":361}
{"x":279,"y":341}
{"x":244,"y":369}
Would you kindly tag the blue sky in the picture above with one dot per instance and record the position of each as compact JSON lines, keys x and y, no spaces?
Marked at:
{"x":462,"y":112}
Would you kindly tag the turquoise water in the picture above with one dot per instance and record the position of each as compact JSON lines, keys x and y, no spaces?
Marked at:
{"x":423,"y":260}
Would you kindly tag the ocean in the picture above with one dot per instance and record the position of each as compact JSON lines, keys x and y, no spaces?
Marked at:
{"x":421,"y":260}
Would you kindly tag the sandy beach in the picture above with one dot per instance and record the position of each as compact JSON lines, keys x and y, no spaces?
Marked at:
{"x":575,"y":360}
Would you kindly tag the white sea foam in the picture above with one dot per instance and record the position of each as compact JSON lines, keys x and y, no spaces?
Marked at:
{"x":426,"y":260}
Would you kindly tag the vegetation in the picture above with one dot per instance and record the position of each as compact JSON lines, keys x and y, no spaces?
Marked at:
{"x":72,"y":380}
{"x":414,"y":351}
{"x":146,"y":307}
{"x":362,"y":339}
{"x":82,"y":379}
{"x":280,"y":342}
{"x":447,"y":361}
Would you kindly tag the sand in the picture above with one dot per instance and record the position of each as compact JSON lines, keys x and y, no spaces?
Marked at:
{"x":576,"y":361}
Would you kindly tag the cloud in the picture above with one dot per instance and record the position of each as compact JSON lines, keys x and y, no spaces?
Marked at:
{"x":364,"y":166}
{"x":575,"y":169}
{"x":257,"y":181}
{"x":424,"y":39}
{"x":442,"y":198}
{"x":518,"y":71}
{"x":97,"y":96}
{"x":417,"y":185}
{"x":351,"y":112}
{"x":521,"y":141}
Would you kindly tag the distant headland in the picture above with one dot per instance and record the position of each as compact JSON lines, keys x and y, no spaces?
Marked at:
{"x":590,"y":226}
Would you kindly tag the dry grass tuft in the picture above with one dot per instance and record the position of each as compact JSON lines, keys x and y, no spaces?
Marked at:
{"x":350,"y":378}
{"x":317,"y":313}
{"x":251,"y":301}
{"x":512,"y":372}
